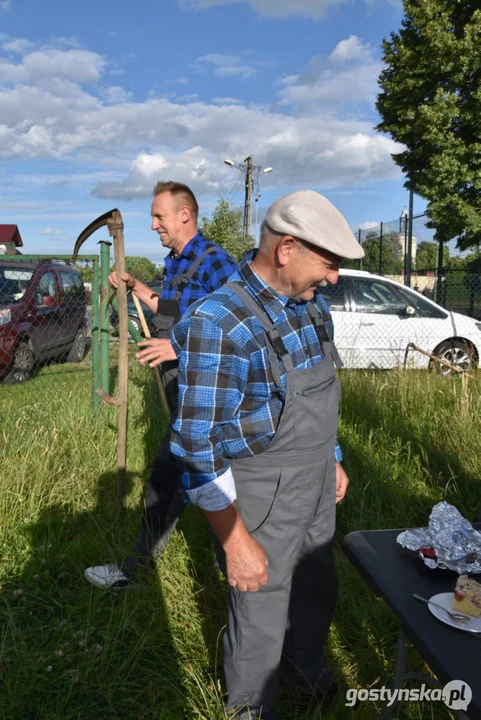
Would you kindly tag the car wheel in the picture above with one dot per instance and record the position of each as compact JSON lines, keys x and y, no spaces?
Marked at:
{"x":136,"y":323}
{"x":22,"y":365}
{"x":77,"y":351}
{"x":456,"y":352}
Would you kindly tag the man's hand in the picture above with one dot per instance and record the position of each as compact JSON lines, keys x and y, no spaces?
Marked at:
{"x":156,"y":351}
{"x":342,"y":481}
{"x":128,"y":279}
{"x":246,"y":565}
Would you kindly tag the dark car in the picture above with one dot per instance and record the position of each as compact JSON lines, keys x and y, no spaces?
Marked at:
{"x":156,"y":287}
{"x":43,"y":316}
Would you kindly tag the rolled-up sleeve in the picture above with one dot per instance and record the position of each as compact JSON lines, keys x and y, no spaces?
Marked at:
{"x":212,"y":379}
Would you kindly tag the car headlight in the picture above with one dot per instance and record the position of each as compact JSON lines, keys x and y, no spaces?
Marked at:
{"x":5,"y":317}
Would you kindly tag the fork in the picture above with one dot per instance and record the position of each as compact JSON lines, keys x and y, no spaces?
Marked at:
{"x":457,"y":617}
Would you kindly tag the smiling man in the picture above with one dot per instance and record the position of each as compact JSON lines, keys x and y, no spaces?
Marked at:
{"x":194,"y":267}
{"x":257,"y":433}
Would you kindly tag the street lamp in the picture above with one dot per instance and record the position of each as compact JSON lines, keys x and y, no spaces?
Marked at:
{"x":251,"y":173}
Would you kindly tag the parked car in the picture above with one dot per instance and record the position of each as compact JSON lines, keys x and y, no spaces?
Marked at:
{"x":43,"y":316}
{"x":133,"y":314}
{"x":375,"y":318}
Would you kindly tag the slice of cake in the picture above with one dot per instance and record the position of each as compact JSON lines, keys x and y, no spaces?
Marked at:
{"x":467,"y":596}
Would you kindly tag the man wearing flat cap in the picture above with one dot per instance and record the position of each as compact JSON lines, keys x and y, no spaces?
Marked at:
{"x":257,"y":435}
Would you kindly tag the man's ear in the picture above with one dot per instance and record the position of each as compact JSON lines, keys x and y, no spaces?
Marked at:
{"x":185,"y":214}
{"x":285,"y":248}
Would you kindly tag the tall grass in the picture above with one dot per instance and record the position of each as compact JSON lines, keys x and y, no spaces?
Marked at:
{"x":68,"y":650}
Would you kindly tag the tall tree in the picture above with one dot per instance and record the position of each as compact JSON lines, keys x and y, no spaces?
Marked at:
{"x":391,"y":259}
{"x":225,"y":228}
{"x":140,"y":267}
{"x":430,"y":101}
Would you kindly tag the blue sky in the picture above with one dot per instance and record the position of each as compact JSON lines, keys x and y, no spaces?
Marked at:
{"x":99,"y":100}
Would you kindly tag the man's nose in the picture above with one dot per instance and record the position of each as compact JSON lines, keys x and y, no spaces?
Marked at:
{"x":155,"y":224}
{"x":333,"y":276}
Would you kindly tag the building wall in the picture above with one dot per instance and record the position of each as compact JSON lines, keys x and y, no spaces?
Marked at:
{"x":7,"y":248}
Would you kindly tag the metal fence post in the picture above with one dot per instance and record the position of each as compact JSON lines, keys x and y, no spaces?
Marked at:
{"x":380,"y":249}
{"x":104,"y":314}
{"x":95,"y":337}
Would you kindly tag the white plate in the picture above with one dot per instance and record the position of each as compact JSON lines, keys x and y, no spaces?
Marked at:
{"x":446,"y":601}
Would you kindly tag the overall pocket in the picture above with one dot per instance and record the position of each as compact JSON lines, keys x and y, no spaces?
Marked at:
{"x":316,"y":414}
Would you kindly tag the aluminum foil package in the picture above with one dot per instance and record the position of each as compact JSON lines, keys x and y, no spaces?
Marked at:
{"x":450,"y":542}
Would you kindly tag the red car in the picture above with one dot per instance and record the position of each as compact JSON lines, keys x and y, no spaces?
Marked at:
{"x":43,"y":316}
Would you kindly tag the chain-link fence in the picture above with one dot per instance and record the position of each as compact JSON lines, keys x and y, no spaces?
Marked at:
{"x":46,"y":317}
{"x":418,"y":299}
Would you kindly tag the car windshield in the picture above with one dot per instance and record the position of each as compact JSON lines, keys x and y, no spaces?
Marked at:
{"x":14,"y":282}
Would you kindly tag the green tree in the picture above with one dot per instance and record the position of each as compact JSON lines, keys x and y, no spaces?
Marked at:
{"x":430,"y":101}
{"x":225,"y":228}
{"x":140,"y":267}
{"x":392,"y":262}
{"x":427,"y":256}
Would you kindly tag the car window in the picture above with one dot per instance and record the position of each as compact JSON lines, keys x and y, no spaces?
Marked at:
{"x":14,"y":282}
{"x":46,"y":286}
{"x":71,"y":283}
{"x":375,"y":296}
{"x":424,"y":308}
{"x":335,"y":295}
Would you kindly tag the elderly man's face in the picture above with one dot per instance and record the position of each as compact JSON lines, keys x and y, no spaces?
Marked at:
{"x":309,"y":267}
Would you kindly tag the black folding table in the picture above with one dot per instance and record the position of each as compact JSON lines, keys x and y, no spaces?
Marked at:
{"x":394,"y":574}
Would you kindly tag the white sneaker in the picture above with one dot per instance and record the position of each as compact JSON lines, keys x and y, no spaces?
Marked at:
{"x":107,"y":577}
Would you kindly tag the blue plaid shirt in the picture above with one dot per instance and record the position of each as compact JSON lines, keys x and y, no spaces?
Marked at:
{"x":229,"y":405}
{"x":214,"y":270}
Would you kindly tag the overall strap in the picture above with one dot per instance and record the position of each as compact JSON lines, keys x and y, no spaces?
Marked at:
{"x":275,"y":347}
{"x":320,"y":318}
{"x":183,"y":280}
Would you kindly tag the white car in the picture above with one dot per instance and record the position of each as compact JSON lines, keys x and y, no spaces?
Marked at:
{"x":375,"y":319}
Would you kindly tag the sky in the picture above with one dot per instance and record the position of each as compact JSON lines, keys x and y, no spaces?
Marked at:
{"x":99,"y":100}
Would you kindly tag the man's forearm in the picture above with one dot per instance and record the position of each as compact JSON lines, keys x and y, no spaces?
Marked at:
{"x":228,"y":526}
{"x":146,"y":295}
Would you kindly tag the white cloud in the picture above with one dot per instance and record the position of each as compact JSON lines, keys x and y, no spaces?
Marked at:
{"x":226,"y":101}
{"x":18,"y":45}
{"x":273,"y":8}
{"x":315,"y":9}
{"x":5,"y":5}
{"x":368,"y":225}
{"x":51,"y":231}
{"x":115,"y":95}
{"x":227,"y":65}
{"x":51,"y":108}
{"x":348,"y":76}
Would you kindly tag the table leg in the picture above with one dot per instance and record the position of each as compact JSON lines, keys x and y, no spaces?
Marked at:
{"x":401,"y":656}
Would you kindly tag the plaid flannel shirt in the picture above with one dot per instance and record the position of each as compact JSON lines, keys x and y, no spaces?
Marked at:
{"x":229,"y":405}
{"x":214,"y":270}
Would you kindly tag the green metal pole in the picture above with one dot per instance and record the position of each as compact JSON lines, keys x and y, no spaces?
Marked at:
{"x":95,"y":337}
{"x":104,"y":313}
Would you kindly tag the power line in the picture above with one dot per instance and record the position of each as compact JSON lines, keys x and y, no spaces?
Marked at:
{"x":251,"y":174}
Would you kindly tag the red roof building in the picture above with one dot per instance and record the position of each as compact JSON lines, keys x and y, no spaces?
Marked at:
{"x":10,"y":239}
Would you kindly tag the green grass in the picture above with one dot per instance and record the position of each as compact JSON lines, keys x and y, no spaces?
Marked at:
{"x":70,"y":651}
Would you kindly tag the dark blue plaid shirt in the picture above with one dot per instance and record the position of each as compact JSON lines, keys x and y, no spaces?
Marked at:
{"x":214,"y":270}
{"x":229,"y":405}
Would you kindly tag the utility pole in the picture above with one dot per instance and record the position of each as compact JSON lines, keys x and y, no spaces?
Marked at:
{"x":248,"y":199}
{"x":407,"y":276}
{"x":252,"y":173}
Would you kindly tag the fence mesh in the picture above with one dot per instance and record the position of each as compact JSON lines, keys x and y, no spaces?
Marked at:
{"x":45,"y":326}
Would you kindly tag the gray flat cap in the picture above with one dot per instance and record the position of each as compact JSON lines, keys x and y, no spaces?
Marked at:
{"x":309,"y":216}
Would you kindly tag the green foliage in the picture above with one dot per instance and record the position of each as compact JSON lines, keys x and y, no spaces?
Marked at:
{"x":140,"y":267}
{"x":225,"y":228}
{"x":430,"y":101}
{"x":392,"y":263}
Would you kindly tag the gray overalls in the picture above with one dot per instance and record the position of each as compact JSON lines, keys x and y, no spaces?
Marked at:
{"x":287,"y":498}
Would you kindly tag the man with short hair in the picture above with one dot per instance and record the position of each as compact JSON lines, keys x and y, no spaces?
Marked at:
{"x":257,"y":433}
{"x":194,"y":267}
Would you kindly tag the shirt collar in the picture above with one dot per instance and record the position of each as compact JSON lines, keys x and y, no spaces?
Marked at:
{"x":273,"y":302}
{"x":198,"y":241}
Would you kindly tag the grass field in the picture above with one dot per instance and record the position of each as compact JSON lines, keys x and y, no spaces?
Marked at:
{"x":70,"y":651}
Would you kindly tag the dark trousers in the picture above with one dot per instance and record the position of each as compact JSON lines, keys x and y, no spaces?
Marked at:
{"x":163,"y":506}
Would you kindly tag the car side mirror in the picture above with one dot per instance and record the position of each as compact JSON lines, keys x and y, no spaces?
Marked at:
{"x":48,"y":301}
{"x":410,"y":311}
